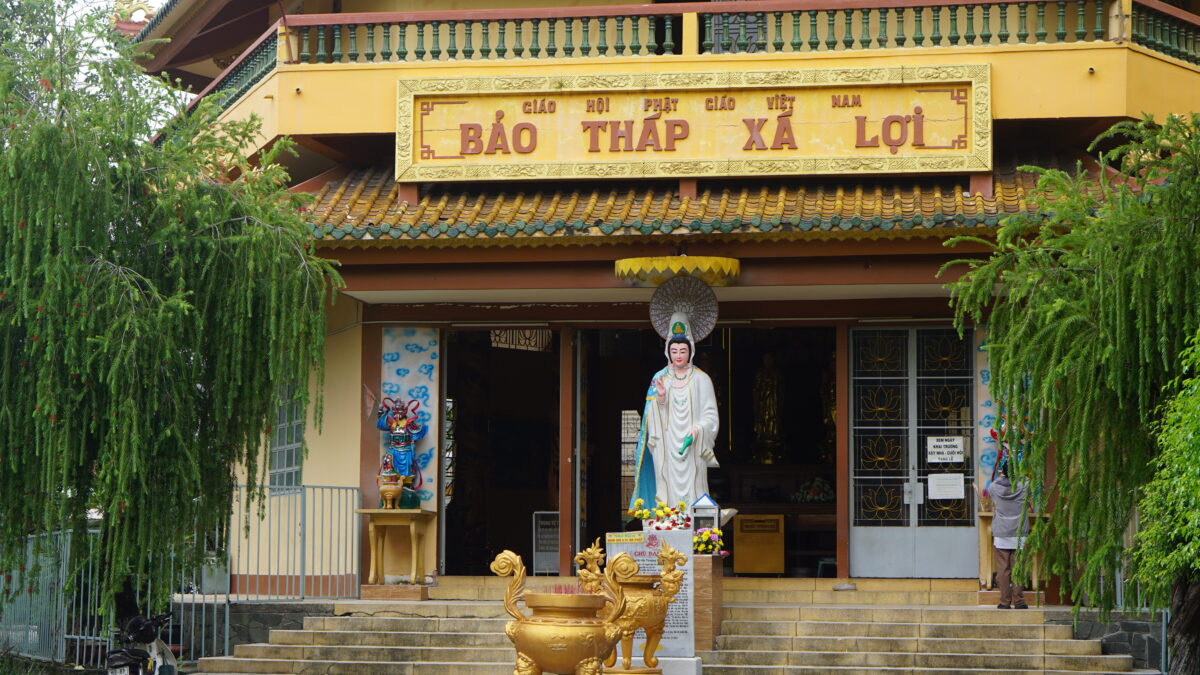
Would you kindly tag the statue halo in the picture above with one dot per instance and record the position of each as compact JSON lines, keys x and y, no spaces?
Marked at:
{"x":690,"y":296}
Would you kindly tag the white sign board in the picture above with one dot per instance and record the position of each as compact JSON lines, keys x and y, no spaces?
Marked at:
{"x":946,"y":486}
{"x":944,"y":449}
{"x":679,"y":637}
{"x":545,"y":542}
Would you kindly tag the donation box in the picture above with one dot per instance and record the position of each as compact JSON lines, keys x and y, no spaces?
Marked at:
{"x":758,"y":544}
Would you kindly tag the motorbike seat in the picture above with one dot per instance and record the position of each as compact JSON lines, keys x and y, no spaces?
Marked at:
{"x":127,"y":657}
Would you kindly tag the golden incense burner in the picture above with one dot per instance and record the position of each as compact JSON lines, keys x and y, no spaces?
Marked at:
{"x":646,"y":599}
{"x":563,"y":635}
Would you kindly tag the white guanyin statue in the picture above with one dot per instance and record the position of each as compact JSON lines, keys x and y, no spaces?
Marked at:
{"x":680,"y":420}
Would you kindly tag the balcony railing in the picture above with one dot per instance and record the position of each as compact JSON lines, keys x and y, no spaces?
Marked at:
{"x":253,"y":65}
{"x":801,"y":27}
{"x":657,"y":30}
{"x":1163,"y":28}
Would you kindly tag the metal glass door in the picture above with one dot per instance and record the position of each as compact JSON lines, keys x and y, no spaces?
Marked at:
{"x":912,"y":430}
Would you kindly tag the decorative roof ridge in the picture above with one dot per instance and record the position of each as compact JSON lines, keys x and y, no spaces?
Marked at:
{"x":155,"y":20}
{"x":363,"y":208}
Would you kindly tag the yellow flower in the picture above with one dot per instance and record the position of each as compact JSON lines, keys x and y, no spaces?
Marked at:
{"x":638,"y":502}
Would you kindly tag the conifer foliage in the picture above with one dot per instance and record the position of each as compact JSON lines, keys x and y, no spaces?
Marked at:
{"x":1089,"y":308}
{"x":155,"y":298}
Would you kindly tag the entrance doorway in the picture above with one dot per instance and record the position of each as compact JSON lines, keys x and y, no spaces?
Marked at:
{"x":775,"y":391}
{"x":911,"y":431}
{"x":502,"y":405}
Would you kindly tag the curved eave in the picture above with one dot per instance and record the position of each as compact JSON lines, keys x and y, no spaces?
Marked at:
{"x":782,"y":234}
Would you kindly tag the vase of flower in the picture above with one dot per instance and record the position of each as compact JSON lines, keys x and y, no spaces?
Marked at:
{"x":709,"y":541}
{"x":663,"y":516}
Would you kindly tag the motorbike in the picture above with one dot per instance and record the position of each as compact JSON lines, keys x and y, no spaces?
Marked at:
{"x":142,"y":651}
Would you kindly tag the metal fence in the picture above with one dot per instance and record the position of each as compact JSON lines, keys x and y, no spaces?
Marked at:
{"x":300,"y":543}
{"x":32,"y":620}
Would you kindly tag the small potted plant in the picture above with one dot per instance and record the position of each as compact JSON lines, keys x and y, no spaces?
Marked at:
{"x":709,"y":541}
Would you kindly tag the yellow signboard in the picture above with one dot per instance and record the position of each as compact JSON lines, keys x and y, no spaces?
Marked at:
{"x":788,"y":122}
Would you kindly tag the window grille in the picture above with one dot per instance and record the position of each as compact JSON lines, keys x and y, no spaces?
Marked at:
{"x":631,"y":424}
{"x":525,"y":339}
{"x":286,"y":444}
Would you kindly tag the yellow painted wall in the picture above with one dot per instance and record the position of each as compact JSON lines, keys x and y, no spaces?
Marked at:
{"x":267,"y":547}
{"x":1150,"y":89}
{"x":333,"y":451}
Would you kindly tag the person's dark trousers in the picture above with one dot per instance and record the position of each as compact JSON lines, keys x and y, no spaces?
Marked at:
{"x":1010,"y":594}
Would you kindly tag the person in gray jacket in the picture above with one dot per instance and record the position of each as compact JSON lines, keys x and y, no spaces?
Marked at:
{"x":1009,"y":527}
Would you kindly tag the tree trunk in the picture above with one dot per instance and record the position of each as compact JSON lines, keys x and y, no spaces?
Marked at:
{"x":1183,"y":632}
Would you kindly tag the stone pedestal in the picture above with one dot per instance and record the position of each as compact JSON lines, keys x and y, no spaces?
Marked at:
{"x":710,"y":574}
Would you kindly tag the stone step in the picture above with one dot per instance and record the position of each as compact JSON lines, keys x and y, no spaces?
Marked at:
{"x":910,"y":630}
{"x":465,"y":609}
{"x":992,"y":598}
{"x":1113,"y":663}
{"x":860,"y":597}
{"x":491,"y":587}
{"x":377,"y":654}
{"x":229,"y":666}
{"x":884,"y":614}
{"x":988,"y":645}
{"x":825,"y":584}
{"x":856,"y":670}
{"x":466,"y":593}
{"x":374,"y":638}
{"x":405,"y":624}
{"x":945,"y":591}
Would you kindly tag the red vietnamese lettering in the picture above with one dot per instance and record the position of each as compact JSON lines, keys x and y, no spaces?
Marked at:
{"x":677,"y":130}
{"x":530,"y":143}
{"x":918,"y":122}
{"x":860,"y":134}
{"x":783,"y":132}
{"x":470,"y":139}
{"x":649,"y":136}
{"x":620,"y":131}
{"x":755,"y":141}
{"x":889,"y":123}
{"x":594,"y":129}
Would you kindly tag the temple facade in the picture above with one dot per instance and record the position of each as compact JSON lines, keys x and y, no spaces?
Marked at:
{"x":505,"y":183}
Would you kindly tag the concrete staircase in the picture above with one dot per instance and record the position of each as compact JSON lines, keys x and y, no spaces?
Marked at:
{"x":891,"y":626}
{"x":436,"y":637}
{"x":772,"y":626}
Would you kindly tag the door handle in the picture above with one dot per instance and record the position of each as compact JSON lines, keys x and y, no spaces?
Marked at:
{"x":914,"y":492}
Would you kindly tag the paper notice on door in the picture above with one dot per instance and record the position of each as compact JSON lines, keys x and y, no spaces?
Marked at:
{"x":944,"y":449}
{"x":946,"y":486}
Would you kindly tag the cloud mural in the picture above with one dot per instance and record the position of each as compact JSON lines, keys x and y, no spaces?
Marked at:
{"x":984,"y":409}
{"x":418,"y":379}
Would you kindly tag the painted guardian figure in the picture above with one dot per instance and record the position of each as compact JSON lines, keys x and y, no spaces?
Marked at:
{"x":679,"y":426}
